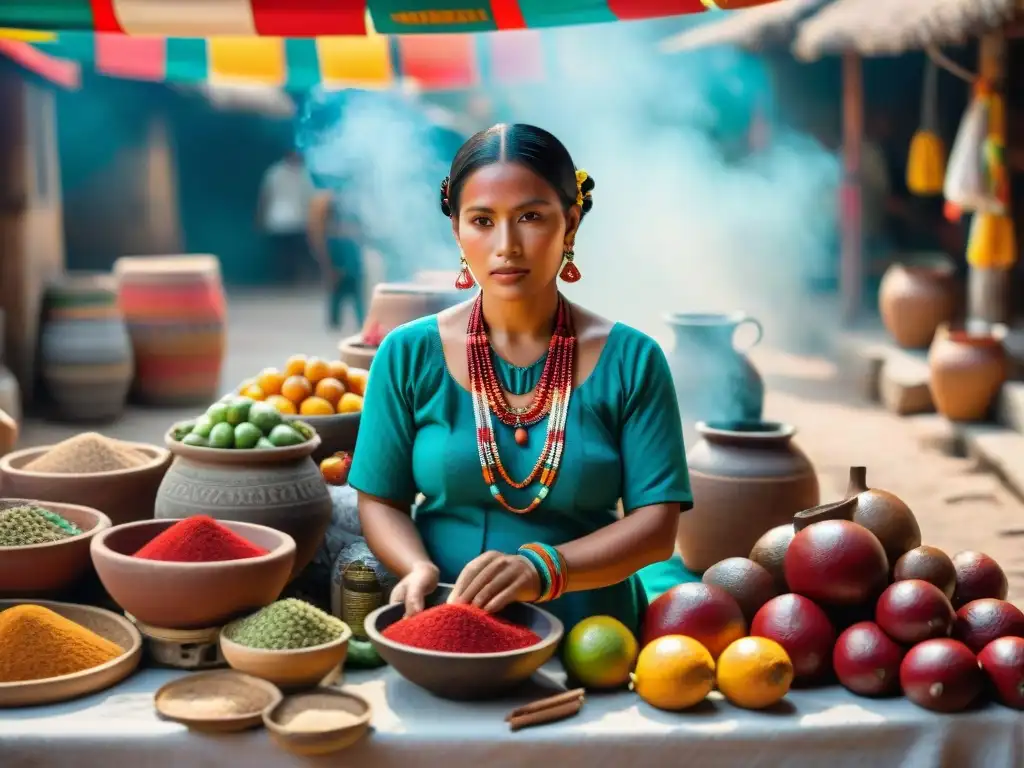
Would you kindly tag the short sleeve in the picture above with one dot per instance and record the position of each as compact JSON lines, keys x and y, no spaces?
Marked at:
{"x":653,"y":456}
{"x":382,"y":461}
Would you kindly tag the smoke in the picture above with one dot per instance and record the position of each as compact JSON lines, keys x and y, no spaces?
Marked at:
{"x":684,"y":218}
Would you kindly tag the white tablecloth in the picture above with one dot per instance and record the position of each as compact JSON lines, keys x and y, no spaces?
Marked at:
{"x":824,"y":728}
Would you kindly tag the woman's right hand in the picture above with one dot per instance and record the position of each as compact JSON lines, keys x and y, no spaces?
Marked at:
{"x":413,"y":589}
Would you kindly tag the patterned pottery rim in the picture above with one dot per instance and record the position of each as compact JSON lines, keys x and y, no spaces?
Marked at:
{"x":748,"y":429}
{"x":157,"y":457}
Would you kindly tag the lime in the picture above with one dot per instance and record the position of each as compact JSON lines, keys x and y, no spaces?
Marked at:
{"x":600,"y":652}
{"x":264,"y":416}
{"x":264,"y":443}
{"x":179,"y":430}
{"x":217,"y":413}
{"x":197,"y":440}
{"x":222,"y":436}
{"x":247,"y":435}
{"x":283,"y":435}
{"x":202,"y":426}
{"x":238,"y":410}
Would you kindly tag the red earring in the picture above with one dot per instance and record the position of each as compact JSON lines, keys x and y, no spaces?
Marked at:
{"x":464,"y":281}
{"x":570,"y":272}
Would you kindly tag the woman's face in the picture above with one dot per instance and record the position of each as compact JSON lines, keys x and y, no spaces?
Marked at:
{"x":513,"y":229}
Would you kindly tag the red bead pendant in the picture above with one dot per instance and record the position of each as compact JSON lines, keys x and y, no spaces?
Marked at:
{"x":521,"y":436}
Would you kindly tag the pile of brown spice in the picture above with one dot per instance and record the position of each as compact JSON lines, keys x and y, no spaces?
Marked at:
{"x":87,"y":454}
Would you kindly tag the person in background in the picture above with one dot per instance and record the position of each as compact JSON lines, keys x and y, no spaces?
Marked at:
{"x":285,"y":195}
{"x":336,"y":240}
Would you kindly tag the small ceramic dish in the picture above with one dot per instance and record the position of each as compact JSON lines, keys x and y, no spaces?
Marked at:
{"x":318,"y":722}
{"x":216,"y":702}
{"x":301,"y":668}
{"x":114,"y":628}
{"x":40,"y":569}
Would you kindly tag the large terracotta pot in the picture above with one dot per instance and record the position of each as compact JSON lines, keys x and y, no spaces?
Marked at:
{"x":967,"y":372}
{"x":747,"y":477}
{"x":176,"y":314}
{"x":917,"y":295}
{"x":280,"y":488}
{"x":85,"y":354}
{"x":713,"y":381}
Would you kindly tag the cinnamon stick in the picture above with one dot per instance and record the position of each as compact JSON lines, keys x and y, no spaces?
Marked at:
{"x":546,"y":703}
{"x":545,"y":716}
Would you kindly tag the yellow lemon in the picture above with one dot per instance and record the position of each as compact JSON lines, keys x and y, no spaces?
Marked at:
{"x":754,"y":672}
{"x":600,"y":652}
{"x":674,"y":672}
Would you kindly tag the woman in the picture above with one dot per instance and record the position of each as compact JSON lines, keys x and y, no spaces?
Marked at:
{"x":336,"y":241}
{"x":592,"y":398}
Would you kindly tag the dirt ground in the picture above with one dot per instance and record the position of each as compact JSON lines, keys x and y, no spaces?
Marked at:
{"x":958,"y":506}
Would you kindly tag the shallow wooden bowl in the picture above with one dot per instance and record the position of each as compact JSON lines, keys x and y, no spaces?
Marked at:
{"x":467,"y":676}
{"x":302,"y":668}
{"x":216,"y":702}
{"x":42,"y":569}
{"x":115,"y":628}
{"x":124,"y":495}
{"x":321,"y":741}
{"x":191,"y":595}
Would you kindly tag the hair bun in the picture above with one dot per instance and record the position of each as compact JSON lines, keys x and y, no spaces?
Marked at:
{"x":446,"y":208}
{"x":586,"y":188}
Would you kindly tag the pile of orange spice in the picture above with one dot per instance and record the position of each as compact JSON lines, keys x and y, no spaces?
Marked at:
{"x":37,"y":643}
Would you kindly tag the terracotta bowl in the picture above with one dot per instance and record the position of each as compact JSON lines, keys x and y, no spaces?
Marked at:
{"x":337,"y":432}
{"x":355,"y":353}
{"x":302,"y":668}
{"x":467,"y":676}
{"x":115,"y":628}
{"x":190,"y":595}
{"x":124,"y":495}
{"x":41,"y":569}
{"x":322,"y":741}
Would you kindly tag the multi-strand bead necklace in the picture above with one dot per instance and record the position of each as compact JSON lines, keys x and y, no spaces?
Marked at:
{"x":550,"y":398}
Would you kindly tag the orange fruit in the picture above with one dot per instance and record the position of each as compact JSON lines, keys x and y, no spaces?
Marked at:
{"x":357,"y":380}
{"x":254,"y":391}
{"x":247,"y":383}
{"x":339,"y":370}
{"x":270,"y":381}
{"x":316,"y":370}
{"x":296,"y":365}
{"x":335,"y":469}
{"x":282,"y":404}
{"x":350,"y":403}
{"x":296,"y":388}
{"x":330,"y":390}
{"x":754,"y":672}
{"x":673,"y":672}
{"x":316,"y":406}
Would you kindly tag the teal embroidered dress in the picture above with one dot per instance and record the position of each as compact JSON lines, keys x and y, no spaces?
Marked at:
{"x":623,"y":440}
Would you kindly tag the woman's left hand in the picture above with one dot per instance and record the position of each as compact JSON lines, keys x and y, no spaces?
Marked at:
{"x":494,"y":580}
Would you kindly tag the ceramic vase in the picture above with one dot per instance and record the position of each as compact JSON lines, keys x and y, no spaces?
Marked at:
{"x":917,"y":295}
{"x":967,"y":370}
{"x":746,"y":477}
{"x":714,"y":382}
{"x":86,"y":357}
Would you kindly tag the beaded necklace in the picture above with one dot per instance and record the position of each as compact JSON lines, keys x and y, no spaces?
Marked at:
{"x":551,"y":397}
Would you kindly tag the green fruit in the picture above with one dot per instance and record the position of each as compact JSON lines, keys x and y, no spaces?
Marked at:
{"x":263,"y":443}
{"x":303,"y":429}
{"x":238,"y":410}
{"x":203,"y":426}
{"x":217,"y":413}
{"x":247,"y":435}
{"x":265,"y":417}
{"x":283,"y":435}
{"x":197,"y":440}
{"x":599,"y":653}
{"x":222,"y":436}
{"x":180,"y":430}
{"x":362,"y":655}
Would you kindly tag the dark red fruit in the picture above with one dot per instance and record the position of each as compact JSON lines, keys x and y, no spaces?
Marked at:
{"x":867,"y":661}
{"x":977,"y":576}
{"x":1002,"y":661}
{"x":836,"y":562}
{"x":803,"y":629}
{"x":704,"y":612}
{"x":913,"y":611}
{"x":941,"y":675}
{"x":929,"y":564}
{"x":749,"y":583}
{"x":981,"y":621}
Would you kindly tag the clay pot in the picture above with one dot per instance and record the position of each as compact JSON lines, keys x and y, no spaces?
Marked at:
{"x":917,"y":295}
{"x":714,"y":382}
{"x":967,"y":372}
{"x":280,"y":488}
{"x":884,"y":514}
{"x":747,"y":477}
{"x":10,"y":392}
{"x":85,"y":355}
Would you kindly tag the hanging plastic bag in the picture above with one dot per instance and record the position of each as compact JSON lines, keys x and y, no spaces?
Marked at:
{"x":966,"y":185}
{"x":926,"y":165}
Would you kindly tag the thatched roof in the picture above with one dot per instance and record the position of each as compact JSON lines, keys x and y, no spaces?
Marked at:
{"x":754,"y":28}
{"x":889,"y":27}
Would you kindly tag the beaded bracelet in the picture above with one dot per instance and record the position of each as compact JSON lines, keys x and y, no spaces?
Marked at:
{"x":550,"y":566}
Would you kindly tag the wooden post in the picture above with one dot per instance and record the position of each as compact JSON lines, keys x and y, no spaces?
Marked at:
{"x":851,"y":258}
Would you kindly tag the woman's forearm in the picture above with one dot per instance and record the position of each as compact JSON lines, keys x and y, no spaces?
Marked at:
{"x":392,"y":535}
{"x":617,"y":551}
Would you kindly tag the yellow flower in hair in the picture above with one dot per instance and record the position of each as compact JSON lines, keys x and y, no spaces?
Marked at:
{"x":581,"y":176}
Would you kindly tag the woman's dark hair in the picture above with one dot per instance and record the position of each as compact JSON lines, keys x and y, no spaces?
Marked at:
{"x":527,"y":145}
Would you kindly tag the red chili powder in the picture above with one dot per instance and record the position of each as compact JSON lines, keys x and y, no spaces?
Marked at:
{"x":460,"y":629}
{"x":199,"y":539}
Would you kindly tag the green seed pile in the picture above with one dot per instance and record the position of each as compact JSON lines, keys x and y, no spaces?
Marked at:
{"x":287,"y":625}
{"x":25,"y":525}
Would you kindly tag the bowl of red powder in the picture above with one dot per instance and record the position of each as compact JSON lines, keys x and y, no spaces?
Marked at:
{"x":462,"y":652}
{"x":195,"y":573}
